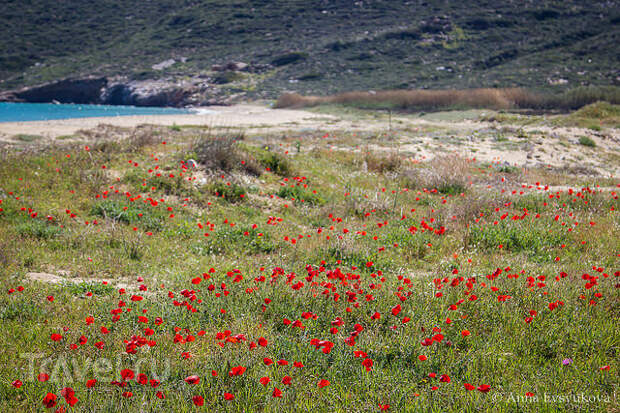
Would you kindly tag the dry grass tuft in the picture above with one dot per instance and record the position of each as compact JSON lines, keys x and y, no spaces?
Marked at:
{"x":446,"y":174}
{"x":381,"y":163}
{"x":420,"y":99}
{"x":220,"y":152}
{"x":486,"y":98}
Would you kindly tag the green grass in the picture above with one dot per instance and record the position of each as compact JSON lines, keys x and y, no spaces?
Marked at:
{"x":27,"y":138}
{"x":358,"y":245}
{"x":585,"y":141}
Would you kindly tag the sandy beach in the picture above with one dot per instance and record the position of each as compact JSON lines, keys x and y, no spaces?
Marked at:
{"x":217,"y":116}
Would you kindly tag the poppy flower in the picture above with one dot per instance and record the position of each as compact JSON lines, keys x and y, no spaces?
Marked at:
{"x":236,"y":371}
{"x":323,"y":383}
{"x":192,"y":379}
{"x":49,"y":401}
{"x":127,"y":374}
{"x":229,"y":396}
{"x":276,"y":392}
{"x":198,"y":400}
{"x":91,"y":383}
{"x":396,"y":310}
{"x":264,"y":381}
{"x":484,"y":388}
{"x":17,"y":384}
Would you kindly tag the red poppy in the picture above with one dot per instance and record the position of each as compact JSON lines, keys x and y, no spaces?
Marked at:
{"x":192,"y":379}
{"x":276,"y":393}
{"x":198,"y":400}
{"x":323,"y":383}
{"x":229,"y":396}
{"x":49,"y":401}
{"x":484,"y":388}
{"x":127,"y":374}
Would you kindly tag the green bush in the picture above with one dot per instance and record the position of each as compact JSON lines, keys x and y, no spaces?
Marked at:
{"x":35,"y":228}
{"x":276,"y":163}
{"x":234,"y":240}
{"x":289,"y":58}
{"x":153,"y":218}
{"x":585,"y":141}
{"x":301,"y":195}
{"x":231,"y":192}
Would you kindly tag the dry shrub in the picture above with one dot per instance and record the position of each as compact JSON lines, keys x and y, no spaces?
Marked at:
{"x":379,"y":162}
{"x":418,"y":99}
{"x":358,"y":204}
{"x":139,"y":138}
{"x":220,"y":152}
{"x":447,"y":174}
{"x":487,"y":98}
{"x":459,"y":214}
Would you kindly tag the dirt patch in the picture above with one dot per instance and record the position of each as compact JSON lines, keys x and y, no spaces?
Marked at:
{"x":63,"y":278}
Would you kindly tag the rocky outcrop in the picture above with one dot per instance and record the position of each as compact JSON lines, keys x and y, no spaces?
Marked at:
{"x":200,"y":90}
{"x":109,"y":92}
{"x":146,"y":93}
{"x":87,"y":90}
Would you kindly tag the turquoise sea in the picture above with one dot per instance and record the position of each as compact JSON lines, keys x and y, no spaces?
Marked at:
{"x":20,"y":112}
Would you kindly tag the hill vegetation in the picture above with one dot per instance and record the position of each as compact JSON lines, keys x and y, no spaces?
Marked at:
{"x":317,"y":47}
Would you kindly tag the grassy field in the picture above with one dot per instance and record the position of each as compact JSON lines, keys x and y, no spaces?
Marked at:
{"x":290,"y":273}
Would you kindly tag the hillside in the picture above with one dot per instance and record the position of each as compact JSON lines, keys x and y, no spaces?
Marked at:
{"x":317,"y":47}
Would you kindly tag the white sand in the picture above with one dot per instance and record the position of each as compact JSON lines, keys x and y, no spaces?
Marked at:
{"x":223,"y":116}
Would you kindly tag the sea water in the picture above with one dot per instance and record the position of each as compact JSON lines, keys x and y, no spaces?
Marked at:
{"x":20,"y":112}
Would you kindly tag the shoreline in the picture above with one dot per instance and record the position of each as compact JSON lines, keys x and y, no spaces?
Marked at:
{"x":242,"y":115}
